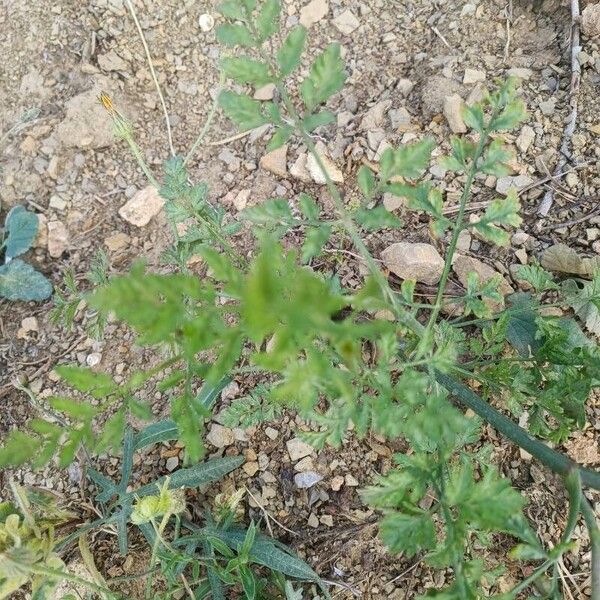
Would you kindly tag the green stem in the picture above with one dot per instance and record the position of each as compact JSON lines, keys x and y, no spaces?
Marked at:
{"x":155,"y":546}
{"x":424,"y":345}
{"x":594,"y":532}
{"x":63,"y":575}
{"x":529,"y":580}
{"x":209,"y":119}
{"x":141,"y":161}
{"x":557,"y":462}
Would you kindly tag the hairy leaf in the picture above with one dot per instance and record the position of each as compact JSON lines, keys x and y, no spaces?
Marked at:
{"x":288,"y":56}
{"x":326,"y":77}
{"x":20,"y":281}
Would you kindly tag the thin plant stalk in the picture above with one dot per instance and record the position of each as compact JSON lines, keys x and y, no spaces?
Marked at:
{"x":153,"y":73}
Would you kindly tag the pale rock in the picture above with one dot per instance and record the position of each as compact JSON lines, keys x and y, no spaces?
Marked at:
{"x":525,"y":138}
{"x":590,"y":20}
{"x":276,"y":161}
{"x":327,"y":520}
{"x":220,"y":437}
{"x":346,"y":22}
{"x":463,"y":265}
{"x":111,"y":61}
{"x":464,"y":241}
{"x":313,"y":12}
{"x":57,"y":203}
{"x":172,"y":463}
{"x":313,"y":521}
{"x":206,"y":22}
{"x":520,"y":238}
{"x":521,"y":255}
{"x":306,"y":464}
{"x":518,"y":182}
{"x":58,"y":238}
{"x":86,"y":123}
{"x":473,"y":76}
{"x":374,"y":117}
{"x":315,"y":172}
{"x":41,"y":238}
{"x":344,"y":118}
{"x":271,"y":433}
{"x":548,"y":106}
{"x":265,"y":92}
{"x":241,"y":200}
{"x":401,"y":120}
{"x":298,"y":449}
{"x":93,"y":359}
{"x":250,"y":468}
{"x":299,"y":170}
{"x":117,"y":242}
{"x":336,"y":483}
{"x":405,"y":86}
{"x":418,"y":261}
{"x":453,"y":108}
{"x":307,"y":479}
{"x":230,"y":391}
{"x":520,"y":72}
{"x":351,"y":481}
{"x":28,"y":325}
{"x":572,"y":179}
{"x":142,"y":207}
{"x":391,"y":202}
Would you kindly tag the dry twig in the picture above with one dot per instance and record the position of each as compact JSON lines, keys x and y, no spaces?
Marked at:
{"x":565,"y":152}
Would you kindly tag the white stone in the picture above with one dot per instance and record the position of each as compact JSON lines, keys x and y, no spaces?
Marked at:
{"x":276,"y":161}
{"x":241,"y":200}
{"x":172,"y":463}
{"x":220,"y":437}
{"x":116,"y":242}
{"x":421,"y":262}
{"x":297,"y":449}
{"x":525,"y":138}
{"x":521,"y":73}
{"x":58,"y":238}
{"x":505,"y":184}
{"x":206,"y":22}
{"x":299,"y":170}
{"x":28,"y":325}
{"x":315,"y":171}
{"x":346,"y":22}
{"x":313,"y":12}
{"x":111,"y":61}
{"x":473,"y":76}
{"x":144,"y":205}
{"x":265,"y":92}
{"x":453,"y":107}
{"x":307,"y":479}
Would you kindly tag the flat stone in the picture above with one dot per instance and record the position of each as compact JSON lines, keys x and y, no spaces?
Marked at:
{"x":351,"y":481}
{"x":453,"y":108}
{"x":41,"y":238}
{"x":315,"y":171}
{"x":144,"y":205}
{"x":28,"y":325}
{"x":473,"y":76}
{"x":271,"y":433}
{"x":299,"y":170}
{"x":241,"y":200}
{"x":306,"y":464}
{"x":518,"y":182}
{"x":111,"y":61}
{"x":220,"y":437}
{"x":172,"y":463}
{"x":313,"y":521}
{"x":58,"y":238}
{"x":463,"y":265}
{"x":57,"y":202}
{"x":265,"y":92}
{"x":421,"y":262}
{"x":250,"y":468}
{"x":391,"y":202}
{"x":525,"y":138}
{"x":307,"y":479}
{"x":297,"y":449}
{"x":401,"y":120}
{"x":374,"y":117}
{"x":346,"y":22}
{"x":520,"y":72}
{"x":116,"y":242}
{"x":405,"y":86}
{"x":313,"y":12}
{"x":276,"y":161}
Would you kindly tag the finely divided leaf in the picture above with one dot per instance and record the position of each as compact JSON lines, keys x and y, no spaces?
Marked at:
{"x":234,"y":35}
{"x":408,"y":161}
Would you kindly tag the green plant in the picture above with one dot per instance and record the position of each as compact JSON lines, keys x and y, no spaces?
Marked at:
{"x":304,"y":337}
{"x":19,"y":280}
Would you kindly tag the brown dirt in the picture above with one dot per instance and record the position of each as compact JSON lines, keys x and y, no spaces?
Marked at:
{"x":51,"y":53}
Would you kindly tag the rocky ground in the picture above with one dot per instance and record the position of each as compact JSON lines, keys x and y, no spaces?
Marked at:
{"x":411,"y":65}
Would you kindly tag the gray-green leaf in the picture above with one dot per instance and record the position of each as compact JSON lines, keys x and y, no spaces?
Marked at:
{"x":242,"y":110}
{"x":326,"y":77}
{"x":246,"y":70}
{"x":290,"y":52}
{"x":267,"y":22}
{"x":21,"y":227}
{"x":20,"y":281}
